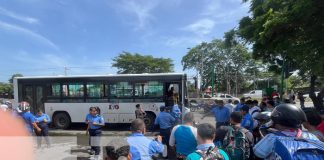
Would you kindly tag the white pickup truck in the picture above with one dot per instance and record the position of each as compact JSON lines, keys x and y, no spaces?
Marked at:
{"x":254,"y":94}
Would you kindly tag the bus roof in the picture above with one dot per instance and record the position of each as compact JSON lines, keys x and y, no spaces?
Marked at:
{"x":108,"y":75}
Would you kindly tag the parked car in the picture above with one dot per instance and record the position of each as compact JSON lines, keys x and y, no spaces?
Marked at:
{"x":254,"y":94}
{"x":307,"y":95}
{"x":226,"y":97}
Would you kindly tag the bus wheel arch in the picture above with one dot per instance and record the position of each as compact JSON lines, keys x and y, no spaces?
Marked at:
{"x":149,"y":119}
{"x":61,"y":119}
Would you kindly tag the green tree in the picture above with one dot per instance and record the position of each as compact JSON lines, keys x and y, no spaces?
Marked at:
{"x":128,"y":63}
{"x":290,"y":32}
{"x":13,"y":76}
{"x":228,"y":58}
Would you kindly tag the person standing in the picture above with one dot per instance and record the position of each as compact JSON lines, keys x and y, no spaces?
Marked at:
{"x":28,"y":117}
{"x":206,"y":148}
{"x":230,"y":105}
{"x":270,"y":105}
{"x":286,"y":122}
{"x":240,"y":105}
{"x":176,"y":113}
{"x":221,"y":114}
{"x":238,"y":140}
{"x":139,"y":112}
{"x":301,"y":99}
{"x":183,"y":137}
{"x":254,"y":111}
{"x":166,"y":121}
{"x":247,"y":121}
{"x":42,"y":121}
{"x":95,"y":123}
{"x":141,"y":147}
{"x":313,"y":120}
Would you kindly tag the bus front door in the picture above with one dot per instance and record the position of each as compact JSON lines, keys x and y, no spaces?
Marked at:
{"x":34,"y":96}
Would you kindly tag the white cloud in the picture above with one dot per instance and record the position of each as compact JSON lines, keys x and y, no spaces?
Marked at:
{"x":182,"y":41}
{"x":211,"y":7}
{"x":141,"y":10}
{"x":19,"y":17}
{"x":201,"y":27}
{"x":36,"y":36}
{"x":45,"y":61}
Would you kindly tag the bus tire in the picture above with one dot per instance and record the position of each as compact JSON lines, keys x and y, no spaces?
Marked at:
{"x":62,"y":120}
{"x":149,"y":119}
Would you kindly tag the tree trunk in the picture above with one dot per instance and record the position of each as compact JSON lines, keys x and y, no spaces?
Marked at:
{"x":317,"y":100}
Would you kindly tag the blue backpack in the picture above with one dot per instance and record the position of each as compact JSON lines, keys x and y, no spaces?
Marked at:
{"x":292,"y":148}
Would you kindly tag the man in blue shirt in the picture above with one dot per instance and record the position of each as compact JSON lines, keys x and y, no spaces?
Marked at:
{"x":142,"y":148}
{"x":240,"y":105}
{"x":221,"y":113}
{"x":166,"y":121}
{"x":184,"y":137}
{"x":28,"y":117}
{"x":95,"y":122}
{"x":42,"y":121}
{"x":176,"y":113}
{"x":247,"y":121}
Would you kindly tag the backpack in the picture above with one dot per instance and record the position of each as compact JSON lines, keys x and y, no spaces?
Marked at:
{"x":291,"y":148}
{"x":236,"y":144}
{"x":211,"y":154}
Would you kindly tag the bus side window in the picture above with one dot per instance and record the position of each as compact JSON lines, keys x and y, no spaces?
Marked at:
{"x":121,"y":92}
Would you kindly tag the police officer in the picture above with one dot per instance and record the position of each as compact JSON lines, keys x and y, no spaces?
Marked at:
{"x":42,"y":120}
{"x":166,"y":121}
{"x":28,"y":117}
{"x":95,"y":122}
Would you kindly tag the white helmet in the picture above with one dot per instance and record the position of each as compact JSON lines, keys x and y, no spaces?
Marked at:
{"x":24,"y":106}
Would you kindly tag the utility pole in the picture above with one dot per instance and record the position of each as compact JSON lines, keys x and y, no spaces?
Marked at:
{"x":65,"y":70}
{"x":282,"y":78}
{"x":236,"y":83}
{"x":213,"y":79}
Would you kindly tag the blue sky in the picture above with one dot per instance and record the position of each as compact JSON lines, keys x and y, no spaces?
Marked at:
{"x":40,"y":37}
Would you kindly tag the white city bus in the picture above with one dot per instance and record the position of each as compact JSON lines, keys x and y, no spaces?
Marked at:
{"x":66,"y":99}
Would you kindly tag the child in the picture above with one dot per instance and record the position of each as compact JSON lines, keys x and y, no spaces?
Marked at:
{"x":42,"y":121}
{"x":95,"y":122}
{"x":139,"y":112}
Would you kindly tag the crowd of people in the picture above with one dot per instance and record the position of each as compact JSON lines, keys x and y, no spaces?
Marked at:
{"x":287,"y":132}
{"x":36,"y":125}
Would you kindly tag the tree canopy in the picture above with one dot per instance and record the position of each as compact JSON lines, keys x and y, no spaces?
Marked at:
{"x":13,"y":76}
{"x":289,"y":31}
{"x":128,"y":63}
{"x":227,"y":57}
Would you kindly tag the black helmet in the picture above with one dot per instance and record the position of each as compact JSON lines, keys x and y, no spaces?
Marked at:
{"x":288,"y":115}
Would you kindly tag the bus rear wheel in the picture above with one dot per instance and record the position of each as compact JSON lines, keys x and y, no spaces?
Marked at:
{"x":62,"y":120}
{"x":149,"y":120}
